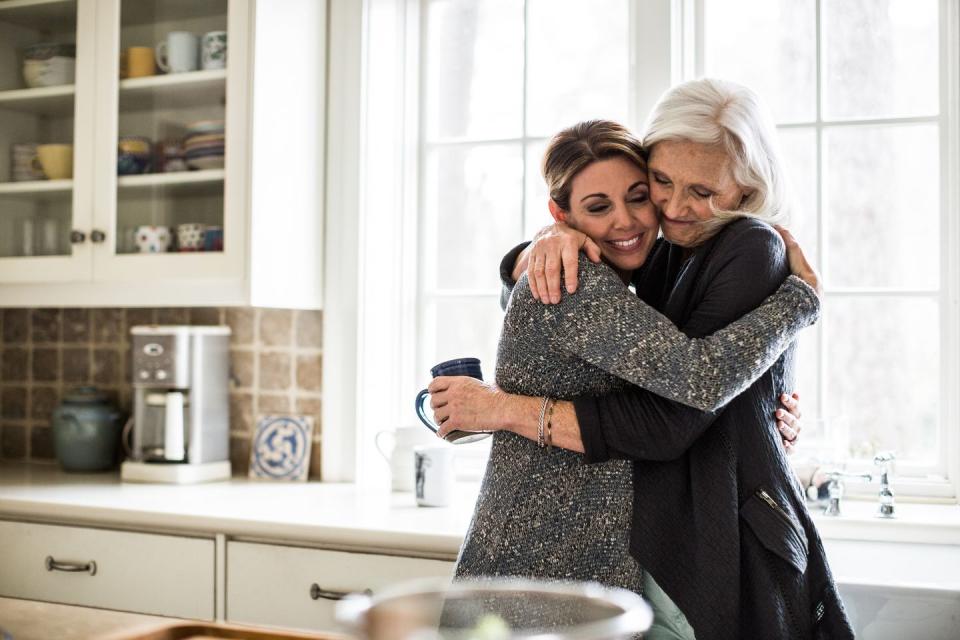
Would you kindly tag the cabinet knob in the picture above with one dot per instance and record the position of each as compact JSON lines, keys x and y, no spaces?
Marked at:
{"x":77,"y":237}
{"x":97,"y":236}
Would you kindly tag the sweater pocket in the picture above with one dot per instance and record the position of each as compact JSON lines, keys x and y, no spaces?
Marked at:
{"x":775,"y":529}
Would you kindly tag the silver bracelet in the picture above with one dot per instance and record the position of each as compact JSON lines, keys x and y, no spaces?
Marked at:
{"x":543,"y":413}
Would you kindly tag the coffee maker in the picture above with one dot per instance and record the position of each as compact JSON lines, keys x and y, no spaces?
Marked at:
{"x":181,"y":414}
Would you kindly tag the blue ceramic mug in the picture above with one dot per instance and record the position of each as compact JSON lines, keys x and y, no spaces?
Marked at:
{"x":457,"y":367}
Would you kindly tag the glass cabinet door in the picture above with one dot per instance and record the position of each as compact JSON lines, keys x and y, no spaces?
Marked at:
{"x":44,"y":163}
{"x":167,"y":159}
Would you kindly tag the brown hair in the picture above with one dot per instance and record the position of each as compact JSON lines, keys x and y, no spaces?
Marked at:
{"x":576,"y":147}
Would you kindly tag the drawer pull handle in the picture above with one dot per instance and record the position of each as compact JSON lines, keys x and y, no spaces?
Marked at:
{"x":72,"y":567}
{"x":316,"y":593}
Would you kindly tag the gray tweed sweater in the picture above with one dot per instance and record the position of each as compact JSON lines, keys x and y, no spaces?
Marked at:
{"x":547,"y":513}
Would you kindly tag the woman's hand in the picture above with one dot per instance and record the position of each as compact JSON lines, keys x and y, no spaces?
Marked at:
{"x":465,"y":403}
{"x":788,"y":420}
{"x":553,"y":247}
{"x":799,"y":265}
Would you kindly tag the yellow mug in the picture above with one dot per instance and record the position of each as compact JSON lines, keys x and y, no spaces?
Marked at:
{"x":137,"y":62}
{"x":56,"y":160}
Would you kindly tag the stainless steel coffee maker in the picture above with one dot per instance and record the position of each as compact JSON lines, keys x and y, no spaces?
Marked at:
{"x":181,"y":415}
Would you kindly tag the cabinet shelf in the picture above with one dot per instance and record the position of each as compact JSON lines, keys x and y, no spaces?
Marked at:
{"x":35,"y":187}
{"x":39,"y":15}
{"x":176,"y":183}
{"x":173,"y":90}
{"x":47,"y":101}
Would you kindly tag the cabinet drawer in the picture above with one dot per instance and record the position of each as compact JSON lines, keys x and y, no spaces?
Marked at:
{"x":147,"y":573}
{"x":271,"y":584}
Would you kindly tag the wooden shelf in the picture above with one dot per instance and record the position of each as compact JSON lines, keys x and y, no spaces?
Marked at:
{"x":36,"y":187}
{"x":47,"y":101}
{"x":173,"y":90}
{"x":40,"y":15}
{"x":177,"y":182}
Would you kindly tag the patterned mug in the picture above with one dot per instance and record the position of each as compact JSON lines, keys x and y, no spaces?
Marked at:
{"x":213,"y":50}
{"x":153,"y":239}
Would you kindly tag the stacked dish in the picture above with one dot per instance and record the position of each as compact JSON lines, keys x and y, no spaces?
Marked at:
{"x":24,"y":165}
{"x":203,"y":145}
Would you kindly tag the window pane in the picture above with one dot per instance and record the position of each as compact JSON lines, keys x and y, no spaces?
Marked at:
{"x":798,"y":148}
{"x":883,"y":374}
{"x":769,"y":46}
{"x":578,"y":62}
{"x":883,"y":206}
{"x":880,"y":58}
{"x":474,"y":70}
{"x":472,"y":214}
{"x":537,"y":215}
{"x":460,"y":327}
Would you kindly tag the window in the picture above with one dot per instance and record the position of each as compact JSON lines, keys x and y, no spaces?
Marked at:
{"x":859,"y":91}
{"x":457,"y":99}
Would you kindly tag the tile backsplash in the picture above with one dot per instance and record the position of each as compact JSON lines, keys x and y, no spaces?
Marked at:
{"x":275,"y":357}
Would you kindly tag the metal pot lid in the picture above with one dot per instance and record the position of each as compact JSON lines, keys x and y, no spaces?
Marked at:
{"x":86,"y":395}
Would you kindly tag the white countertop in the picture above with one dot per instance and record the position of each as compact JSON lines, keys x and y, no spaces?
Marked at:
{"x":334,"y":515}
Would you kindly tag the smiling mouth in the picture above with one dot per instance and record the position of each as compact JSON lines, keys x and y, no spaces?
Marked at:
{"x":628,"y":244}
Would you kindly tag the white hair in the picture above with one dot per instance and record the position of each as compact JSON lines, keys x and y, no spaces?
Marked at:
{"x":719,"y":112}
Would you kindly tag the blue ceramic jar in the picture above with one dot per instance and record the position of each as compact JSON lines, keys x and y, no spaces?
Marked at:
{"x":86,"y":430}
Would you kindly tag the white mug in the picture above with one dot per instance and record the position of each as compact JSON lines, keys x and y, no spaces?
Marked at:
{"x":433,"y":475}
{"x":180,"y":52}
{"x":396,"y":447}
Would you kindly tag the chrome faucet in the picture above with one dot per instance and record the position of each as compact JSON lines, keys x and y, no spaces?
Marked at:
{"x":884,"y":460}
{"x":835,"y":489}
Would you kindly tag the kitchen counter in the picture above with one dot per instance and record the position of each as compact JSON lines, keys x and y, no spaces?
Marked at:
{"x":335,"y":515}
{"x":31,"y":620}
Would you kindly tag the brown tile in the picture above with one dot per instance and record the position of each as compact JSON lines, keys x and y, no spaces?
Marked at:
{"x":15,"y":325}
{"x":107,"y":368}
{"x":41,"y":443}
{"x":173,"y":316}
{"x":46,"y":365}
{"x":241,"y":369}
{"x":309,"y":406}
{"x":75,"y":367}
{"x":108,"y":326}
{"x":309,"y":329}
{"x":241,"y":322}
{"x":276,"y":327}
{"x":13,"y":441}
{"x":309,"y":374}
{"x":13,"y":402}
{"x":274,"y":370}
{"x":45,"y":325}
{"x":205,"y":316}
{"x":241,"y":413}
{"x":16,"y":365}
{"x":76,"y":325}
{"x":273,"y":403}
{"x":43,"y":400}
{"x":315,"y":466}
{"x":136,"y":317}
{"x":240,"y":455}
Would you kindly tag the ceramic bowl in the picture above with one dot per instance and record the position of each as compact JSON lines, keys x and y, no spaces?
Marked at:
{"x":206,"y":162}
{"x":47,"y":50}
{"x":49,"y":73}
{"x":134,"y":155}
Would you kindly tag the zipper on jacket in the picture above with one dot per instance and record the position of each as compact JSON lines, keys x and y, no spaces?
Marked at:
{"x":763,"y":495}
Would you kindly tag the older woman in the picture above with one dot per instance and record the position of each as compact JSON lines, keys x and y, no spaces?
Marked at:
{"x":717,"y":519}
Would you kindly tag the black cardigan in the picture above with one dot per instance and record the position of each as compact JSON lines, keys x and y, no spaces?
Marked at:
{"x":718,"y":518}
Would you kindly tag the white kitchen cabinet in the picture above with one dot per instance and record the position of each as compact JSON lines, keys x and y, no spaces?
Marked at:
{"x":68,"y":242}
{"x":147,"y":573}
{"x":281,"y":586}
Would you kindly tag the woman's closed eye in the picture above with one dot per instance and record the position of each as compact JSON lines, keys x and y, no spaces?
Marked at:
{"x":659,"y":178}
{"x":701,"y":193}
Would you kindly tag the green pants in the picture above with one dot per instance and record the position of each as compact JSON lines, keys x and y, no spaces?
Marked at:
{"x":669,"y":623}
